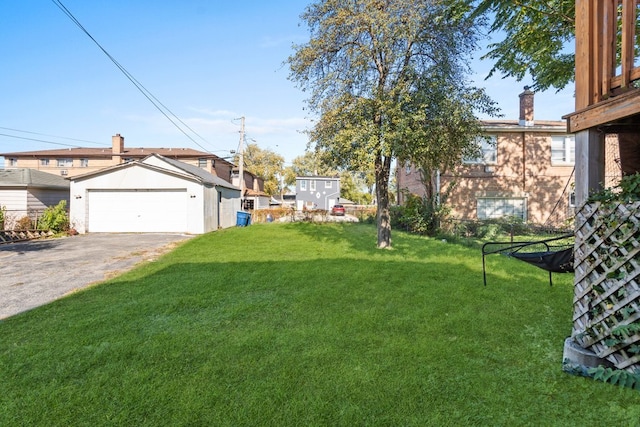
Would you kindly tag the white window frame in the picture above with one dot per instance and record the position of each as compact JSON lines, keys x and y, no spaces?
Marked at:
{"x":64,"y":163}
{"x":84,"y":163}
{"x":489,"y":149}
{"x":303,"y":185}
{"x":44,"y":162}
{"x":500,"y":207}
{"x":13,"y":161}
{"x":328,"y":184}
{"x":202,"y":162}
{"x":407,"y":167}
{"x":563,"y":150}
{"x":312,"y":185}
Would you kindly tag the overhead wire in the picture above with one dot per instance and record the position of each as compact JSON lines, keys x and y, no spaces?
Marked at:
{"x":147,"y":94}
{"x":38,"y":140}
{"x":53,"y":136}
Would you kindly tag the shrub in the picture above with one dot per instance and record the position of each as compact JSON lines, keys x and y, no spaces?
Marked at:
{"x":24,"y":223}
{"x":419,"y":215}
{"x":55,"y":218}
{"x":2,"y":216}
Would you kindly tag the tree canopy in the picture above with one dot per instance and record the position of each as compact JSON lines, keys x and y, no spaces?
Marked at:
{"x":538,"y":36}
{"x":266,"y":164}
{"x":365,"y":68}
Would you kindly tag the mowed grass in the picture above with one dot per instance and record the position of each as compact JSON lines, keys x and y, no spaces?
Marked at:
{"x":306,"y":325}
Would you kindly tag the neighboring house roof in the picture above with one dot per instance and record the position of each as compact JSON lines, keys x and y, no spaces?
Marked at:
{"x":253,"y":193}
{"x":108,"y":153}
{"x":344,"y":201}
{"x":537,"y":126}
{"x":187,"y":172}
{"x":204,"y":176}
{"x":31,"y":178}
{"x":336,"y":178}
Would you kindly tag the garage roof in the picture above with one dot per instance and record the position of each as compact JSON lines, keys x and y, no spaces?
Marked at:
{"x":205,"y":177}
{"x":31,"y":178}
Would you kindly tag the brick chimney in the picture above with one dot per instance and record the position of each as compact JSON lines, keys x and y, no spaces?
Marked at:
{"x":117,"y":149}
{"x":526,"y":107}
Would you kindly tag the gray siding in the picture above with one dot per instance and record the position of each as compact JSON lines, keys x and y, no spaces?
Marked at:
{"x":319,"y":192}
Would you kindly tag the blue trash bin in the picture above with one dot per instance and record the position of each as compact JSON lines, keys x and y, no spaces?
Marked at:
{"x":243,"y":219}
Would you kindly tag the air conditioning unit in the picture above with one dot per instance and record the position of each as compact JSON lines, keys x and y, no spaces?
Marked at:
{"x":64,"y":172}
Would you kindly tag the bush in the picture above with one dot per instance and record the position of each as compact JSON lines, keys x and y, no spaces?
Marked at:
{"x":24,"y":223}
{"x":419,"y":215}
{"x":55,"y":218}
{"x":366,"y":215}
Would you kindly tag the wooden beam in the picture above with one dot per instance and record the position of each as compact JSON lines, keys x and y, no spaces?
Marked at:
{"x":608,"y":46}
{"x":616,"y":108}
{"x":584,"y":14}
{"x":628,"y":45}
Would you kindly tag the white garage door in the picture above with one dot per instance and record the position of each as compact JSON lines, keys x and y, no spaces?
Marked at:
{"x":137,"y":211}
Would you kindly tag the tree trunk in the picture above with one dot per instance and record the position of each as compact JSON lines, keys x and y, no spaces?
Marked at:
{"x":383,"y":218}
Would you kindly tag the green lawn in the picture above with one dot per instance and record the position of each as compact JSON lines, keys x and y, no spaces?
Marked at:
{"x":303,"y":325}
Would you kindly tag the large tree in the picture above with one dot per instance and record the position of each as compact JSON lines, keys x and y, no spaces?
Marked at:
{"x":362,"y":67}
{"x":451,"y":130}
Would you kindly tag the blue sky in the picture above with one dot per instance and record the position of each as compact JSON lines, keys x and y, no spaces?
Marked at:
{"x":209,"y":62}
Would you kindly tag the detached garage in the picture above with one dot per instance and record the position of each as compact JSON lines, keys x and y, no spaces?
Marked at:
{"x":156,"y":194}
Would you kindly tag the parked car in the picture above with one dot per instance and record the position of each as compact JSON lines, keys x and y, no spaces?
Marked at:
{"x":337,"y":210}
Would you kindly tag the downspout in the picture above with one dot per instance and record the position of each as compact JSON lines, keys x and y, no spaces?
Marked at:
{"x":524,"y":162}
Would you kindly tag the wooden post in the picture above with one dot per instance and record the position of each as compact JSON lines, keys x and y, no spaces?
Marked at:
{"x":589,"y":163}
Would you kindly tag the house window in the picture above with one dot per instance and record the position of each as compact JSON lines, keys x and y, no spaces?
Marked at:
{"x":127,"y":160}
{"x":202,"y":163}
{"x":563,"y":150}
{"x":490,"y":208}
{"x":407,"y":167}
{"x":84,"y":163}
{"x":328,"y":184}
{"x":572,"y":199}
{"x":489,"y":152}
{"x":65,"y":163}
{"x":312,"y":185}
{"x":248,"y":204}
{"x":303,"y":185}
{"x":13,"y":162}
{"x":44,"y":162}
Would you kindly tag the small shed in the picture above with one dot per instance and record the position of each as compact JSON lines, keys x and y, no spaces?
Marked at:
{"x":155,"y":194}
{"x":28,"y":192}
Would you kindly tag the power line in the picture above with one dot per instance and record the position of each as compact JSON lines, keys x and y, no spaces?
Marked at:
{"x":38,"y":140}
{"x":147,"y":94}
{"x":53,"y":136}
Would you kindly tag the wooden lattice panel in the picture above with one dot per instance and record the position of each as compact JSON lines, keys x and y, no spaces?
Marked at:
{"x":606,"y":316}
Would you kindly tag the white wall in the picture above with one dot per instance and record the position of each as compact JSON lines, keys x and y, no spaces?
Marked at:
{"x":136,"y":177}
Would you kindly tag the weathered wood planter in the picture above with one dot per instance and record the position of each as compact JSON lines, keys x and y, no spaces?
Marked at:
{"x":607,"y":282}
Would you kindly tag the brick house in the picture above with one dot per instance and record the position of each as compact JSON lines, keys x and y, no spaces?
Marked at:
{"x":526,"y":171}
{"x":71,"y":162}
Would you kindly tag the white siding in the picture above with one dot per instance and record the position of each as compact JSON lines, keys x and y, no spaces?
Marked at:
{"x":137,"y":178}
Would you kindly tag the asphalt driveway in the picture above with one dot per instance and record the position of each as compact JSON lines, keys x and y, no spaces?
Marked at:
{"x":36,"y":272}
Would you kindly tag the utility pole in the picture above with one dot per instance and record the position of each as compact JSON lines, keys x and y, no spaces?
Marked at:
{"x":241,"y":161}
